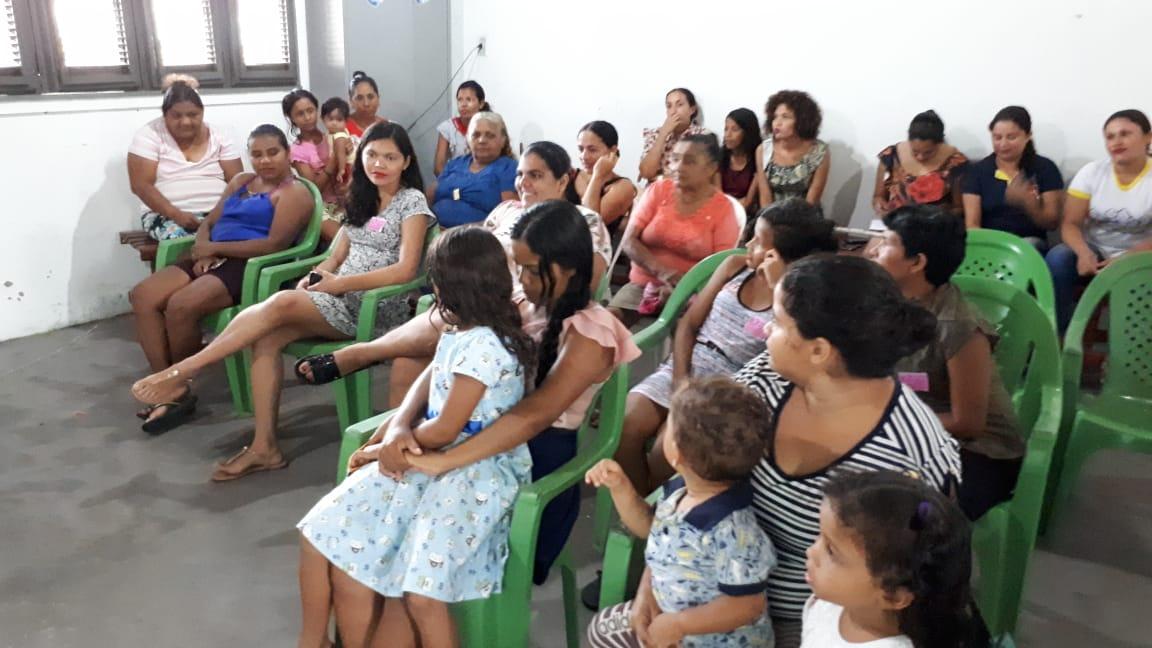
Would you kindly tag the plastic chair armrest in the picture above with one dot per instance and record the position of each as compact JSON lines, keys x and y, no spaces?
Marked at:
{"x":170,"y":251}
{"x":366,"y":323}
{"x":250,"y":291}
{"x":273,"y":277}
{"x":1032,"y":483}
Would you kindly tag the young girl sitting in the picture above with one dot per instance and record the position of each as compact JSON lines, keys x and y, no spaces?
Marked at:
{"x":722,"y":329}
{"x":427,"y":540}
{"x":707,"y":561}
{"x":890,"y":567}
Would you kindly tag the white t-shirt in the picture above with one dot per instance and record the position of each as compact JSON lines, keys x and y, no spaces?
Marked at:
{"x":822,"y":629}
{"x":190,"y":186}
{"x":457,"y":142}
{"x":1119,"y":216}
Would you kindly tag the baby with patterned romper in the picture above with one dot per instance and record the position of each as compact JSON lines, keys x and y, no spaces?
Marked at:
{"x":707,"y":560}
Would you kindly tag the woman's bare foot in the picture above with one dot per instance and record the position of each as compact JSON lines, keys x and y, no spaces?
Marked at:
{"x":162,"y":386}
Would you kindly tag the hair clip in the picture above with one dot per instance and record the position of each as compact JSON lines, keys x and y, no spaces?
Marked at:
{"x":920,"y":517}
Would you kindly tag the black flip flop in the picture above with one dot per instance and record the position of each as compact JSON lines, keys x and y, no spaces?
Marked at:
{"x":179,"y":411}
{"x":324,"y":369}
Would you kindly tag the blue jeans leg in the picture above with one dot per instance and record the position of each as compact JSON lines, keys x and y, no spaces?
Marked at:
{"x":1061,"y":262}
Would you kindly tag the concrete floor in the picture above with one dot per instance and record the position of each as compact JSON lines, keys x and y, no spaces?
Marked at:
{"x":111,"y":538}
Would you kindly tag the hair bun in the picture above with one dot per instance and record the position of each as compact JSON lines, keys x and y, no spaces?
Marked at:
{"x":359,"y":74}
{"x":176,"y":77}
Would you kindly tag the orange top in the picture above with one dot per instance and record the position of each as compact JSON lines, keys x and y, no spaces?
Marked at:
{"x":678,"y":240}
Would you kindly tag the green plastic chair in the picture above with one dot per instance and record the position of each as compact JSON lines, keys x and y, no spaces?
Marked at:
{"x":236,"y":365}
{"x":1009,"y":258}
{"x":652,"y":336}
{"x":1120,"y":416}
{"x":1028,"y":359}
{"x":504,"y":619}
{"x":353,"y":392}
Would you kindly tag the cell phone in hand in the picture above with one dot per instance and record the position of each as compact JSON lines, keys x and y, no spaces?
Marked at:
{"x":314,"y":278}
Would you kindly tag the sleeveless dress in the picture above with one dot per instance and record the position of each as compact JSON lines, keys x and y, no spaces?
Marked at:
{"x":375,"y":245}
{"x":792,"y":181}
{"x":731,"y":335}
{"x":442,"y":537}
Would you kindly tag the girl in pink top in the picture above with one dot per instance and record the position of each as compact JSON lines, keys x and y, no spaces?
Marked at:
{"x":311,"y":157}
{"x":679,"y":221}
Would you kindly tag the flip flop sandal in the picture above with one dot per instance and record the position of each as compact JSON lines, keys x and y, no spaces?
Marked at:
{"x":221,"y":475}
{"x":324,"y":369}
{"x":179,"y":411}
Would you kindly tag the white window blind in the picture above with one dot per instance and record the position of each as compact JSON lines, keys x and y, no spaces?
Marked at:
{"x":264,"y":37}
{"x":91,"y":33}
{"x":184,"y":32}
{"x":10,"y":49}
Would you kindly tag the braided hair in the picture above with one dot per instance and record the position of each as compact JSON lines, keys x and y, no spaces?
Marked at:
{"x":556,"y":232}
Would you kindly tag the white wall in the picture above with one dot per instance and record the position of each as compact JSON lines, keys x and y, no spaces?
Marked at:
{"x":553,"y":66}
{"x":66,"y":196}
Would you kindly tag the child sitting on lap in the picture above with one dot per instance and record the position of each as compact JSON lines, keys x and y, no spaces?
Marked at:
{"x":707,"y":561}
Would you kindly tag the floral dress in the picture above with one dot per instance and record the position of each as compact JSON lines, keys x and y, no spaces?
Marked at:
{"x":932,"y":188}
{"x":792,"y":181}
{"x":443,"y":537}
{"x":375,"y":245}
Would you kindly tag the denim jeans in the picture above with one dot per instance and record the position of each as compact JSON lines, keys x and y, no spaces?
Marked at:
{"x":1061,"y":261}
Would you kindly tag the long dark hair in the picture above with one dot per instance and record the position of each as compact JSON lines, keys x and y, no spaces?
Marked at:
{"x":363,"y":196}
{"x":746,"y":120}
{"x":1019,"y":115}
{"x":559,"y":163}
{"x":289,"y":101}
{"x":468,"y":267}
{"x":917,"y":540}
{"x":855,"y":305}
{"x":556,"y":232}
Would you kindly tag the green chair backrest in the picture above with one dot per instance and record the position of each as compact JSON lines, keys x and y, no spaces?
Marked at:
{"x":1009,"y":258}
{"x":1028,"y":353}
{"x":1127,"y":285}
{"x":689,"y":285}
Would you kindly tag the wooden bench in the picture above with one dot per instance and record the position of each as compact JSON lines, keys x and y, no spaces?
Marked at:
{"x":144,"y":245}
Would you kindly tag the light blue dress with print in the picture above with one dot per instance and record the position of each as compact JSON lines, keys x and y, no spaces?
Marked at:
{"x":442,"y":537}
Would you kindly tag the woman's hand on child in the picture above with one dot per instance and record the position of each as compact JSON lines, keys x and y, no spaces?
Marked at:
{"x":398,"y":445}
{"x":363,"y":457}
{"x":432,"y":464}
{"x":664,"y":631}
{"x":608,"y":474}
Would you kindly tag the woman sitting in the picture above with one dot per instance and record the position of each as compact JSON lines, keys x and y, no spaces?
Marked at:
{"x":1108,"y":211}
{"x":579,"y":348}
{"x":542,"y":175}
{"x":682,"y":119}
{"x":742,"y":157}
{"x":178,"y":165}
{"x":259,"y":214}
{"x":679,"y":221}
{"x":955,"y":374}
{"x":596,"y":185}
{"x":365,"y":99}
{"x":828,"y":379}
{"x":453,"y":133}
{"x":472,"y":185}
{"x":1014,"y":189}
{"x":381,"y":245}
{"x":922,"y":170}
{"x":798,"y":163}
{"x":722,"y":328}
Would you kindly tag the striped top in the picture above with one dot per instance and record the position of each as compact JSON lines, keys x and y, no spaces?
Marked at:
{"x":908,"y":438}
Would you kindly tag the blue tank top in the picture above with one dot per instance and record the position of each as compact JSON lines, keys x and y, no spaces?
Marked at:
{"x":246,"y":217}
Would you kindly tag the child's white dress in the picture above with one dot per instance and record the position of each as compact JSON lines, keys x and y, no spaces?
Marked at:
{"x":446,"y":537}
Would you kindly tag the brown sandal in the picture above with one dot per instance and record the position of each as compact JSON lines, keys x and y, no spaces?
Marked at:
{"x":255,"y":464}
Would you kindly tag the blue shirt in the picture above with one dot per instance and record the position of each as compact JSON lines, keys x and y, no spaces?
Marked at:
{"x":466,"y":197}
{"x":244,"y":217}
{"x":999,"y":215}
{"x":714,"y":549}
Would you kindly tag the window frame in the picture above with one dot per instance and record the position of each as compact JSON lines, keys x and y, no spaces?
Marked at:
{"x":42,"y":71}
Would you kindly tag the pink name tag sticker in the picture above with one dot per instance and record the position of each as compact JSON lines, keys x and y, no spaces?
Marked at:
{"x":754,"y":327}
{"x":375,"y":224}
{"x":917,"y":380}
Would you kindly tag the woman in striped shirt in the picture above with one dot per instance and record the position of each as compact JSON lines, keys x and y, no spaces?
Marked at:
{"x":840,"y":326}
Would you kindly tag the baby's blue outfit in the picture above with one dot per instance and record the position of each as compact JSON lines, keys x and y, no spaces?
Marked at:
{"x":442,"y":537}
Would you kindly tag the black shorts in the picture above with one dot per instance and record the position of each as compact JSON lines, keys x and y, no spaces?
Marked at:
{"x":230,"y":273}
